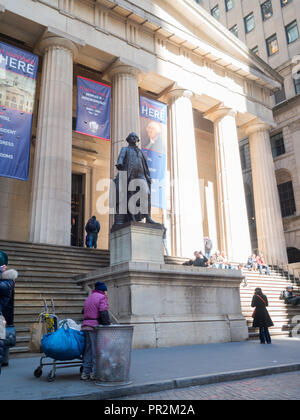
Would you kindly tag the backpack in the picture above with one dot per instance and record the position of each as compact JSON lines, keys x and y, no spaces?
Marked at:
{"x":284,"y":294}
{"x":91,"y":226}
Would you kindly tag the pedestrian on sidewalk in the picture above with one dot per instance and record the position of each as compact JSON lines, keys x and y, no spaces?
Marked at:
{"x":95,"y":313}
{"x":261,"y":317}
{"x":7,"y":286}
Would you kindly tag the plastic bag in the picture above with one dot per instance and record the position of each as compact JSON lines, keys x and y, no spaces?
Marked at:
{"x":64,"y":344}
{"x":71,"y":323}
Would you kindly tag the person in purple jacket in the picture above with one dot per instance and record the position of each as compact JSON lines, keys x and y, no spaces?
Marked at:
{"x":95,"y":313}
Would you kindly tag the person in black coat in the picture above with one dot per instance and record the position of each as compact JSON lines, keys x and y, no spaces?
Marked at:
{"x":262,"y":319}
{"x":7,"y":286}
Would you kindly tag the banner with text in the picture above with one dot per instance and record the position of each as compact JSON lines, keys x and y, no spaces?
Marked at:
{"x":153,"y":115}
{"x":93,"y":108}
{"x":18,"y":72}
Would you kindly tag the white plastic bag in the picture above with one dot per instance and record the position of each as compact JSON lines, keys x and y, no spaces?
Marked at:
{"x":71,"y":324}
{"x":2,"y":328}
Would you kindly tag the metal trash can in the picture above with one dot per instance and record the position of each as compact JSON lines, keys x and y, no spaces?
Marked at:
{"x":113,"y":352}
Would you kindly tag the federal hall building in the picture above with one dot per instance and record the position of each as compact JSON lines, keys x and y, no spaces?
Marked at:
{"x":233,"y":124}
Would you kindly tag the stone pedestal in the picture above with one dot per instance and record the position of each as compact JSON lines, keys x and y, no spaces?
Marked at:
{"x":136,"y":242}
{"x":171,"y":305}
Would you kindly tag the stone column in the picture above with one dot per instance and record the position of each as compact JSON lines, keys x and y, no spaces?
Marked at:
{"x":233,"y":219}
{"x":125,"y":107}
{"x":52,"y":178}
{"x":185,"y":191}
{"x":271,"y":241}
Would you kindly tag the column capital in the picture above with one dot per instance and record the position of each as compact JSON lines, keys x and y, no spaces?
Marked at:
{"x":218,"y":112}
{"x":53,"y":38}
{"x":120,"y":66}
{"x":256,"y":126}
{"x":177,"y":92}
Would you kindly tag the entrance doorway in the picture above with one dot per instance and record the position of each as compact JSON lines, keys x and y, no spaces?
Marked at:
{"x":77,"y":216}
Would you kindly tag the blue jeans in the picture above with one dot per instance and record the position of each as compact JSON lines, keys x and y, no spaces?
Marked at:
{"x":260,"y":267}
{"x":93,"y":240}
{"x":89,"y":355}
{"x":264,"y":335}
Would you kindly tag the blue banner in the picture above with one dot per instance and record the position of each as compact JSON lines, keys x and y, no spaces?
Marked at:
{"x":93,"y":108}
{"x":18,"y":72}
{"x":154,"y":145}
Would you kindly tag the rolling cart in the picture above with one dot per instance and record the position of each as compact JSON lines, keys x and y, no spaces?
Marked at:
{"x":51,"y":322}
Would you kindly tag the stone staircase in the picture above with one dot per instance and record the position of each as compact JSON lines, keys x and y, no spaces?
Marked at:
{"x":47,"y":272}
{"x":282,"y":315}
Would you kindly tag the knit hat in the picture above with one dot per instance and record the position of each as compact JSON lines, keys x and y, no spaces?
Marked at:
{"x":100,"y":286}
{"x":3,"y":258}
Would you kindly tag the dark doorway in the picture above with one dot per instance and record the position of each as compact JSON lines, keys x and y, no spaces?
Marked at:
{"x":77,"y":217}
{"x":293,"y":255}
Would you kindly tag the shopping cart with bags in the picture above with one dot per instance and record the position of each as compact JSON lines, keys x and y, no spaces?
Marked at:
{"x":63,"y":344}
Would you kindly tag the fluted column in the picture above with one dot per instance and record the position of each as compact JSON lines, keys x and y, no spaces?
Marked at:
{"x":52,"y":178}
{"x":125,"y":107}
{"x":270,"y":234}
{"x":233,"y":219}
{"x":187,"y":220}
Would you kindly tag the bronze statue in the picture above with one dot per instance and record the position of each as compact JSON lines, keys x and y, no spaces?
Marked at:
{"x":133,"y":184}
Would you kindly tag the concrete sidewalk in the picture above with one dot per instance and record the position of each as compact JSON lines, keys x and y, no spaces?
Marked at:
{"x":156,"y":370}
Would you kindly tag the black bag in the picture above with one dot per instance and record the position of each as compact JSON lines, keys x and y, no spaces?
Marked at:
{"x":104,"y":318}
{"x":91,"y":226}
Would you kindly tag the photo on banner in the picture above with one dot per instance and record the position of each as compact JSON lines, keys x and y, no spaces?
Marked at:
{"x":18,"y":73}
{"x":153,"y":121}
{"x":93,"y":108}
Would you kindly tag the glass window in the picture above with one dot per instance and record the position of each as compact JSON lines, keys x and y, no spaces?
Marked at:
{"x":249,"y":23}
{"x":287,"y":200}
{"x":297,"y":83}
{"x":272,"y":45}
{"x":280,"y":96}
{"x":277,"y":145}
{"x":215,"y":12}
{"x":292,"y":32}
{"x":255,"y":50}
{"x":267,"y":10}
{"x":234,"y":30}
{"x":229,"y":5}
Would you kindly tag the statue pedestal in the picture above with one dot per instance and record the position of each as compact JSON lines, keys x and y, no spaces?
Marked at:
{"x":169,"y":305}
{"x":136,"y":242}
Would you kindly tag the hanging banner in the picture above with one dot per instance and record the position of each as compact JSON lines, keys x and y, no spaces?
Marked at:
{"x":153,"y":116}
{"x":93,"y":108}
{"x":18,"y":72}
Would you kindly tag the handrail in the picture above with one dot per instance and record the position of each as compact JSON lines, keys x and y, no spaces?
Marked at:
{"x":286,"y":268}
{"x":274,"y":262}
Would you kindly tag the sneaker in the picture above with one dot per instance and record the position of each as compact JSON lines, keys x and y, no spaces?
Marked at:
{"x":92,"y":376}
{"x":85,"y":376}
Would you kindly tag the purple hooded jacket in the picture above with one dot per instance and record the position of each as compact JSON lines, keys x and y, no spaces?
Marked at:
{"x":97,"y":302}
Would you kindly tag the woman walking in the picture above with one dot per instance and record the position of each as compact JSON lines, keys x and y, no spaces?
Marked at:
{"x":262,"y":319}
